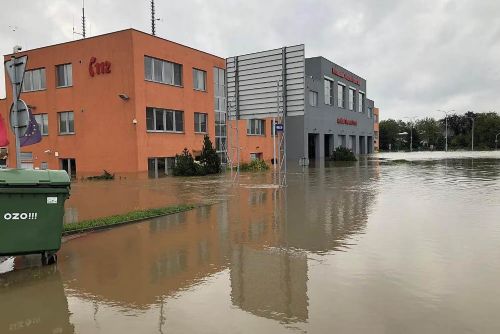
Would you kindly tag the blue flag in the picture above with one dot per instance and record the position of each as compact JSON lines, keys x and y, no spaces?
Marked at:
{"x":33,"y":134}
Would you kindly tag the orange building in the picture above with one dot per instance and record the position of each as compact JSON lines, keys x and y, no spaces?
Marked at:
{"x":124,"y":102}
{"x":376,"y":134}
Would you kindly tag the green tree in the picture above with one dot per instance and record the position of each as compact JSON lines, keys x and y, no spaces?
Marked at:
{"x":429,"y":131}
{"x":186,"y":166}
{"x":389,"y":135}
{"x":209,"y":158}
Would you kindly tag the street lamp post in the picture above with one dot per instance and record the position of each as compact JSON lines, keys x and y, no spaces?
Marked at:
{"x":470,"y":114}
{"x":411,"y":131}
{"x":446,"y":127}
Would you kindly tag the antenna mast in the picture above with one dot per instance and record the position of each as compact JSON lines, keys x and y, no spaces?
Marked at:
{"x":83,"y":18}
{"x":153,"y":20}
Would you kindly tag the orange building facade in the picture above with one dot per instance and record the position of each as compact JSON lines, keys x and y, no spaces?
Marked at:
{"x":376,"y":132}
{"x":125,"y":102}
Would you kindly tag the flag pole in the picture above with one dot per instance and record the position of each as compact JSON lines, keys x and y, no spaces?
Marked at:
{"x":15,"y":115}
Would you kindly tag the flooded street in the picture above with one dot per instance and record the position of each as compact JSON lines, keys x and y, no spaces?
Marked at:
{"x":398,"y":243}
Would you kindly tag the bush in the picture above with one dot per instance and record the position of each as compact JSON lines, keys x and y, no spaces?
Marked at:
{"x":343,"y":154}
{"x":256,"y":165}
{"x":104,"y":176}
{"x":186,"y":166}
{"x":209,"y":158}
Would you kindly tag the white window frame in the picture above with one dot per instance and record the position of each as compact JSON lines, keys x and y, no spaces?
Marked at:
{"x":162,"y":71}
{"x":341,"y":95}
{"x":164,"y":112}
{"x":67,"y":122}
{"x":44,"y":130}
{"x":199,"y":76}
{"x":352,"y":100}
{"x":313,"y":98}
{"x":68,"y":75}
{"x":32,"y":78}
{"x":199,"y":129}
{"x":361,"y":101}
{"x":329,"y":92}
{"x":256,"y":127}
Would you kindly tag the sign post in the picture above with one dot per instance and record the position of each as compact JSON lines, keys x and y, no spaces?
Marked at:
{"x":15,"y":68}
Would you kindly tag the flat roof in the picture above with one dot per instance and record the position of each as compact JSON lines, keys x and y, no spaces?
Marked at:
{"x":115,"y":32}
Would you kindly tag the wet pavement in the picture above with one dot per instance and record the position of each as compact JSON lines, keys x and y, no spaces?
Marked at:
{"x":379,"y":246}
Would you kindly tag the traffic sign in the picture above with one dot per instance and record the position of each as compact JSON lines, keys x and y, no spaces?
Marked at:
{"x":278,"y":127}
{"x":23,"y":117}
{"x":15,"y":69}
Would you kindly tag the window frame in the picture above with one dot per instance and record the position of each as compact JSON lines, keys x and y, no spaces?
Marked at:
{"x":199,"y":129}
{"x":67,"y":77}
{"x":331,"y":100}
{"x":44,"y":130}
{"x":164,"y":113}
{"x":67,"y":123}
{"x":43,"y":82}
{"x":314,"y":95}
{"x":252,"y":130}
{"x":352,"y":102}
{"x":195,"y":71}
{"x":361,"y":102}
{"x":163,"y":71}
{"x":341,"y":88}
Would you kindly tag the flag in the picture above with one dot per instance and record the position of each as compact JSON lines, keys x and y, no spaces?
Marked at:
{"x":33,"y":134}
{"x":3,"y":133}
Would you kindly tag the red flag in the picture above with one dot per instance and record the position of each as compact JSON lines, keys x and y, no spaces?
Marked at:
{"x":3,"y":133}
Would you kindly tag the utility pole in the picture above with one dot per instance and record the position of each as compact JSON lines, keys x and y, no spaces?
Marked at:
{"x":446,"y":127}
{"x":411,"y":131}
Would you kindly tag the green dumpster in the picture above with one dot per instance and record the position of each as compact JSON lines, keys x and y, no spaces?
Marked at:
{"x":32,"y":211}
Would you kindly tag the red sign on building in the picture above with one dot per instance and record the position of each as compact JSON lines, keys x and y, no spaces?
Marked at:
{"x":346,"y":121}
{"x":346,"y":76}
{"x":98,"y":68}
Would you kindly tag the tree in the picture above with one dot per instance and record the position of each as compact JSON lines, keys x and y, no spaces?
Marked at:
{"x":209,"y":158}
{"x":429,"y":131}
{"x":186,"y":166}
{"x":389,"y":135}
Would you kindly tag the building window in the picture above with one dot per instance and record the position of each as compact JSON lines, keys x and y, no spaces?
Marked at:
{"x":313,"y":98}
{"x":66,"y":123}
{"x":351,"y":98}
{"x":256,"y":156}
{"x":370,"y":112}
{"x":27,"y":160}
{"x":34,"y":80}
{"x":200,"y":122}
{"x":361,"y":102}
{"x":163,"y":120}
{"x":199,"y":80}
{"x":64,"y":75}
{"x":43,"y":123}
{"x":256,"y":127}
{"x":220,"y":113}
{"x":159,"y":167}
{"x":162,"y":71}
{"x":69,"y":165}
{"x":341,"y":96}
{"x":376,"y":118}
{"x":44,"y":165}
{"x":328,"y":92}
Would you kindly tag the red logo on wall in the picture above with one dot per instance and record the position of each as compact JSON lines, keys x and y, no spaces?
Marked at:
{"x":98,"y":68}
{"x":346,"y":121}
{"x":346,"y":76}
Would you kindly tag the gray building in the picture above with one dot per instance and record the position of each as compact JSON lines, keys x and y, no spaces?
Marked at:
{"x":326,"y":106}
{"x":337,"y":113}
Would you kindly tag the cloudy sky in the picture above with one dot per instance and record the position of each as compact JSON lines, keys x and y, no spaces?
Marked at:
{"x":417,"y":55}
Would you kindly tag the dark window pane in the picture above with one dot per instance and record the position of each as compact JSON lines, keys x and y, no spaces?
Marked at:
{"x":197,"y":122}
{"x":148,"y":68}
{"x":170,"y":121}
{"x":203,"y":123}
{"x":178,"y":74}
{"x":150,"y":120}
{"x":71,"y":122}
{"x":157,"y":70}
{"x":179,"y":121}
{"x":160,"y":126}
{"x":62,"y":123}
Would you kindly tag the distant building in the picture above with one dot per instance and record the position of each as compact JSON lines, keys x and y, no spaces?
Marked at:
{"x":376,"y":132}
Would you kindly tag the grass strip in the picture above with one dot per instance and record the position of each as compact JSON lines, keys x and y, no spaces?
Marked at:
{"x":127,"y":218}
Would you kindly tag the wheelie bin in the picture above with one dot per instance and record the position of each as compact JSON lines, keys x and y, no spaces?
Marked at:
{"x":32,"y":212}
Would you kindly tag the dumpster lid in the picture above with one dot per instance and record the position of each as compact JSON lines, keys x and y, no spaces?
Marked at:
{"x":21,"y":177}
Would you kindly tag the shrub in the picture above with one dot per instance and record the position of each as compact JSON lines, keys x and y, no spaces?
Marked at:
{"x":256,"y":165}
{"x":343,"y":154}
{"x":186,"y":166}
{"x":104,"y":176}
{"x":209,"y":158}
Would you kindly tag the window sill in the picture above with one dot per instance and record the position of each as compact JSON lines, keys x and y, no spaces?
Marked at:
{"x":34,"y":91}
{"x":164,"y":83}
{"x":57,"y":87}
{"x":200,"y":133}
{"x":255,"y":135}
{"x":66,"y":134}
{"x":159,"y":131}
{"x":200,"y":90}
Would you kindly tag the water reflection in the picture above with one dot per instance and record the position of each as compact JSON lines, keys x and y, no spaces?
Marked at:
{"x":33,"y":301}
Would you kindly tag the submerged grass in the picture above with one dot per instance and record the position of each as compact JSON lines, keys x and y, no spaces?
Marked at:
{"x":130,"y":217}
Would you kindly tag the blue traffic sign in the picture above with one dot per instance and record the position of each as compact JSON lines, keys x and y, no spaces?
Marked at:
{"x":278,"y":127}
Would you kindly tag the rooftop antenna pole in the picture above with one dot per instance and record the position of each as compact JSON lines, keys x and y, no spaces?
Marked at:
{"x":153,"y":20}
{"x":83,"y":18}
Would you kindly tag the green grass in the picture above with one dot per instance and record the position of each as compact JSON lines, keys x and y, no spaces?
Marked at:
{"x":130,"y":217}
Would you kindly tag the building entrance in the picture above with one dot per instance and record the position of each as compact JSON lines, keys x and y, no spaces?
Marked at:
{"x":328,"y":145}
{"x":313,"y":145}
{"x":69,"y":165}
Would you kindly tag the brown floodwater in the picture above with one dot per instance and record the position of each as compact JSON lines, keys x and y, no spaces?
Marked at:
{"x":378,"y":246}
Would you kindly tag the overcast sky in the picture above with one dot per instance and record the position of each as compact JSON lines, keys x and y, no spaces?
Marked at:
{"x":417,"y":55}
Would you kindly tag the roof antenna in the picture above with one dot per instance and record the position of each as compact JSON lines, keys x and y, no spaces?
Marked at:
{"x":153,"y":18}
{"x":83,"y":22}
{"x":83,"y":18}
